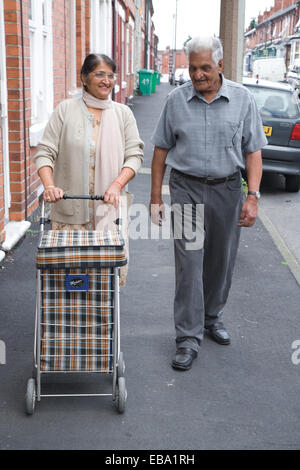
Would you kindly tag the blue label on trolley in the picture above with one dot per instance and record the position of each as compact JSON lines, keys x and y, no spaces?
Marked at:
{"x":77,"y":282}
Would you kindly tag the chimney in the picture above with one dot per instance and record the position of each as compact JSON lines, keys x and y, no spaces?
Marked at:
{"x":277,"y":5}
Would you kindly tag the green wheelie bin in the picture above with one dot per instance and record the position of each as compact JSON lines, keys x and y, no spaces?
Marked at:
{"x":145,"y":81}
{"x":154,"y":81}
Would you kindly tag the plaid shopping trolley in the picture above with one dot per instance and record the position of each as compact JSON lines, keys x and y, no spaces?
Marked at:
{"x":77,"y":326}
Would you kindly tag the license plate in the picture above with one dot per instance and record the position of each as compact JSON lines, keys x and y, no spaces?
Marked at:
{"x":268,"y":130}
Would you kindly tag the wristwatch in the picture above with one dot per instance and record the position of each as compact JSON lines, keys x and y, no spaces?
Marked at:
{"x":254,"y":193}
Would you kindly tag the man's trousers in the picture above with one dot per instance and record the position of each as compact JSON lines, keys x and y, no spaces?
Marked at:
{"x":203,"y":273}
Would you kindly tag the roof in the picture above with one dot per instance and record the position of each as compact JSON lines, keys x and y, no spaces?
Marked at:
{"x":277,"y":14}
{"x":267,"y":84}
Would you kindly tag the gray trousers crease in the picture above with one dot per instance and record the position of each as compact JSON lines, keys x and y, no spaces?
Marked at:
{"x":203,"y":276}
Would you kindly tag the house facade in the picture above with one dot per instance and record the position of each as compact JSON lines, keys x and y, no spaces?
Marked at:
{"x":167,"y":63}
{"x":275,"y":33}
{"x":42,"y":46}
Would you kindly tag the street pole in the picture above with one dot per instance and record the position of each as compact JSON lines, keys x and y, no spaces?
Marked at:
{"x":146,"y":35}
{"x":175,"y":36}
{"x":232,"y":20}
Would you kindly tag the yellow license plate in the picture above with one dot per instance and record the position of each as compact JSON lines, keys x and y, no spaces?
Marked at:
{"x":268,"y":131}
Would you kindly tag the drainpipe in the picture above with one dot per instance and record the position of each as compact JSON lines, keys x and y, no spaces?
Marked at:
{"x":24,"y":106}
{"x":4,"y":117}
{"x":113,"y":39}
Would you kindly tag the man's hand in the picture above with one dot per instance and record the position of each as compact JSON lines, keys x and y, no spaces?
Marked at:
{"x":158,"y":167}
{"x":248,"y":212}
{"x":157,"y":211}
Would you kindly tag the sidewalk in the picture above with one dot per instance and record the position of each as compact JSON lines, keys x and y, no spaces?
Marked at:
{"x":242,"y":396}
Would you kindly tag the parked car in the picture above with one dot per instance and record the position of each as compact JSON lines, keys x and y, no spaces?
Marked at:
{"x":293,"y":76}
{"x":279,"y":106}
{"x":181,"y":76}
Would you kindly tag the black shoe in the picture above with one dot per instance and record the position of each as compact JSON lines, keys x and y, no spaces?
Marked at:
{"x":219,"y":334}
{"x":184,"y":358}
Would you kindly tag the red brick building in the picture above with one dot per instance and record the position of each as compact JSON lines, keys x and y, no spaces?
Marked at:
{"x":42,"y":46}
{"x":166,"y":60}
{"x":275,"y":33}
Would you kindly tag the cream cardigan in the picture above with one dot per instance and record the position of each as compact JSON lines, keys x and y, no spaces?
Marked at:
{"x":65,"y":147}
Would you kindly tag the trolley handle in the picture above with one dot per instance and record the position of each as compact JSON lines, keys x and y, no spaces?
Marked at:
{"x":44,"y":221}
{"x":91,"y":197}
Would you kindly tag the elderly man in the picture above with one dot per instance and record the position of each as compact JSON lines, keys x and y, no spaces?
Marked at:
{"x":209,"y":130}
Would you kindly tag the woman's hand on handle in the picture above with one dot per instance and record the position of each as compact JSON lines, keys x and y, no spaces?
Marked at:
{"x":112,"y":194}
{"x":53,"y":194}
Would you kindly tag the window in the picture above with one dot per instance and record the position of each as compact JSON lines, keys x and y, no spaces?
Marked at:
{"x":41,"y":66}
{"x":281,"y":102}
{"x":127,"y":51}
{"x":132,"y":51}
{"x":101,"y":27}
{"x":30,"y":10}
{"x":295,"y":52}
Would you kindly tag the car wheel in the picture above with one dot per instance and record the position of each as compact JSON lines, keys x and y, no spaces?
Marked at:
{"x":292,"y":183}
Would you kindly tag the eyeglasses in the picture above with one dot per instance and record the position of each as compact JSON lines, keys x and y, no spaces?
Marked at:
{"x":102,"y":76}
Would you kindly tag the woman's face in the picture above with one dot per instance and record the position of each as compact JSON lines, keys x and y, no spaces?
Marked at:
{"x":100,"y":82}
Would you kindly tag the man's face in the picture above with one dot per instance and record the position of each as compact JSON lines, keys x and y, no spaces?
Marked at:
{"x":204,"y":73}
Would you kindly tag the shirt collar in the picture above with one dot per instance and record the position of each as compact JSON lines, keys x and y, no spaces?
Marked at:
{"x":223,"y":91}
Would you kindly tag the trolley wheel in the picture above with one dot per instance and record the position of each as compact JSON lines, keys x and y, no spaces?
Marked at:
{"x":121,"y":366}
{"x":30,"y":396}
{"x":121,"y":395}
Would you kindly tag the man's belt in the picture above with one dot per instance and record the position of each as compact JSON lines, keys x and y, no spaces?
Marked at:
{"x":208,"y":179}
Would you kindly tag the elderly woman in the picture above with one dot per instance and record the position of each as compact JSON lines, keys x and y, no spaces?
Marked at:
{"x":91,"y":145}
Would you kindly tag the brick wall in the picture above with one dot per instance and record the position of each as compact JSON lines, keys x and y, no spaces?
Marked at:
{"x":24,"y":181}
{"x":130,"y":5}
{"x":181,"y":59}
{"x":18,"y":95}
{"x":60,"y":31}
{"x":82,"y":34}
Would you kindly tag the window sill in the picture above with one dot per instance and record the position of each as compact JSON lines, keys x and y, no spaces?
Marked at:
{"x":75,"y":93}
{"x":36,"y":133}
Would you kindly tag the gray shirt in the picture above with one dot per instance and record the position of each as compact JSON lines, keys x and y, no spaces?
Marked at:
{"x":209,"y":138}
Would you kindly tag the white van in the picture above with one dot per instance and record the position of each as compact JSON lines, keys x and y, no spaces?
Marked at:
{"x":270,"y":69}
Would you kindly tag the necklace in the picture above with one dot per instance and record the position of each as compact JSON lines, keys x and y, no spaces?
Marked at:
{"x":96,"y":122}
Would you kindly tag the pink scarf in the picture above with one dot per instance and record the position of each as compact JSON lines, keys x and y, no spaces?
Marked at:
{"x":109,"y":159}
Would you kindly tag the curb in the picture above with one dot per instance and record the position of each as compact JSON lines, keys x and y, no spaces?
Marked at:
{"x":14,"y":231}
{"x":281,"y":245}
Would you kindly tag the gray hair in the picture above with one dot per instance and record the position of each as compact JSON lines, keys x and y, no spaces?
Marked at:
{"x":209,"y":43}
